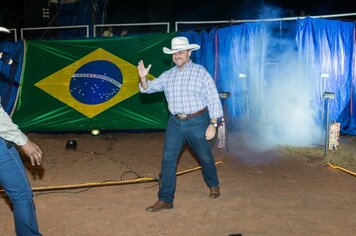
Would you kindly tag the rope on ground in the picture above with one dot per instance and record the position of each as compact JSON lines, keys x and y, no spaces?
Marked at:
{"x":196,"y":168}
{"x":108,"y":183}
{"x":341,"y":168}
{"x":95,"y":184}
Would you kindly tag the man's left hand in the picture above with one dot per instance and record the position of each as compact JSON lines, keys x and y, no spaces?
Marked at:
{"x":210,"y":132}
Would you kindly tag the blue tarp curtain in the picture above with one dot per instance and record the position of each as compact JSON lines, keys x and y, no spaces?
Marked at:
{"x":324,"y":46}
{"x":10,"y":75}
{"x":328,"y":47}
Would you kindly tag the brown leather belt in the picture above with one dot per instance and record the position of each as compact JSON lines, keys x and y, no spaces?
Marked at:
{"x":188,"y":116}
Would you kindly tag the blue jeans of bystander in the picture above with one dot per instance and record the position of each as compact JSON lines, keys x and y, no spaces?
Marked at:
{"x":16,"y":185}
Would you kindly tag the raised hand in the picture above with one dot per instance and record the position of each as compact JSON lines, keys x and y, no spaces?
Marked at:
{"x":142,"y":70}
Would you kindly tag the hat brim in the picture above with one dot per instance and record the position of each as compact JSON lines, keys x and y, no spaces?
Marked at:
{"x":3,"y":29}
{"x":192,"y":47}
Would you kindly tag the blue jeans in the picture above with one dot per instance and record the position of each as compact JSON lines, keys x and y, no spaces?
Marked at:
{"x":16,"y":185}
{"x":177,"y":133}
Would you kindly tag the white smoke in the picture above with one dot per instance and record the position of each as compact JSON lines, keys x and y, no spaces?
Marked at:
{"x":280,"y":109}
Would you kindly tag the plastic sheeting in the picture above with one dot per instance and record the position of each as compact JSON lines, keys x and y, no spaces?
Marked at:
{"x":10,"y":74}
{"x":328,"y":47}
{"x":253,"y":61}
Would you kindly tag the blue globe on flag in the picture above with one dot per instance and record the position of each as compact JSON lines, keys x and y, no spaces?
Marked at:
{"x":96,"y":82}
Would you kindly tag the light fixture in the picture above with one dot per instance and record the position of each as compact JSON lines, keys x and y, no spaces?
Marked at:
{"x":242,"y":75}
{"x":5,"y":30}
{"x":45,"y":12}
{"x":324,"y":75}
{"x":95,"y":132}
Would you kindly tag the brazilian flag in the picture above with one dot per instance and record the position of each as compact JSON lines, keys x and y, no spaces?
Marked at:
{"x":79,"y":85}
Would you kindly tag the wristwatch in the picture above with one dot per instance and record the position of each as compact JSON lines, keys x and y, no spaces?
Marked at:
{"x":214,"y":124}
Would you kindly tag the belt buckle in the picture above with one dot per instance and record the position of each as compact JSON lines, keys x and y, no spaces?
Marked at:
{"x":182,"y":116}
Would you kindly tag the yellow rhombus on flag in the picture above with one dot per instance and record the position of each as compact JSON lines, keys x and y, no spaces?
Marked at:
{"x":71,"y":85}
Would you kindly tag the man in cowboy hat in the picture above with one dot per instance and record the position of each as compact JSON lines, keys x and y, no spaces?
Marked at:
{"x":195,"y":107}
{"x":12,"y":173}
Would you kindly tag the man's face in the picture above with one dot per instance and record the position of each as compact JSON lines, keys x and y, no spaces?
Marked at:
{"x":181,"y":58}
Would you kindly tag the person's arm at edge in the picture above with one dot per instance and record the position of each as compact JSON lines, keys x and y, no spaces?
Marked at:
{"x":10,"y":131}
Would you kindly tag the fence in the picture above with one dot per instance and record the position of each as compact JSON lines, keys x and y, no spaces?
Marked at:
{"x":56,"y":32}
{"x":80,"y":31}
{"x":132,"y":28}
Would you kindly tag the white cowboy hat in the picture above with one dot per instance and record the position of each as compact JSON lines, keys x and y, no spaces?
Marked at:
{"x":180,"y":44}
{"x":3,"y":29}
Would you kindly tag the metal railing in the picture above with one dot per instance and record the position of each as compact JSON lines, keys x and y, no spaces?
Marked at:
{"x":14,"y":32}
{"x":166,"y":26}
{"x":50,"y":29}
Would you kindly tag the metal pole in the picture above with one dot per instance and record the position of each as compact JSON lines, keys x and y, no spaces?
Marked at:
{"x":327,"y":96}
{"x":323,"y":76}
{"x":224,"y":96}
{"x":327,"y":127}
{"x":225,"y":127}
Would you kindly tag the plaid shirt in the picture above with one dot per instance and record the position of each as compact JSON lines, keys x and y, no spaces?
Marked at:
{"x":188,"y":90}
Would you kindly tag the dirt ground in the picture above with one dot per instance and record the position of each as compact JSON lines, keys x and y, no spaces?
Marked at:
{"x":287,"y":191}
